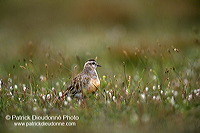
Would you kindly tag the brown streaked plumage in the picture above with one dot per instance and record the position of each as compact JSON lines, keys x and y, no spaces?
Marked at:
{"x":86,"y":81}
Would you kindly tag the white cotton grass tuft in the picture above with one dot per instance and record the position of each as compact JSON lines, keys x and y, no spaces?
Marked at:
{"x":44,"y":97}
{"x":24,"y":87}
{"x":11,"y":88}
{"x":175,"y":93}
{"x":126,"y":92}
{"x":45,"y":110}
{"x":65,"y":103}
{"x":69,"y":99}
{"x":158,"y":98}
{"x":172,"y":101}
{"x":114,"y":99}
{"x":154,"y":97}
{"x":48,"y":96}
{"x":158,"y":87}
{"x":35,"y":100}
{"x":143,"y":96}
{"x":146,"y":89}
{"x":154,"y":87}
{"x":190,"y":97}
{"x":154,"y":77}
{"x":15,"y":87}
{"x":57,"y":83}
{"x":34,"y":108}
{"x":60,"y":94}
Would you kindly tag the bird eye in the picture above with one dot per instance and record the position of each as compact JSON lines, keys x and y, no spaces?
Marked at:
{"x":93,"y":63}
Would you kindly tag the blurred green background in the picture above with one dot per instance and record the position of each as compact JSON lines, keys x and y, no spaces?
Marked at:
{"x":89,"y":28}
{"x":83,"y":25}
{"x":65,"y":33}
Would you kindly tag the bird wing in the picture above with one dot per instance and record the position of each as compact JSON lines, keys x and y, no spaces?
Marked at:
{"x":76,"y":85}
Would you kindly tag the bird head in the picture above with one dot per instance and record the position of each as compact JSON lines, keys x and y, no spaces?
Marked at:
{"x":91,"y":64}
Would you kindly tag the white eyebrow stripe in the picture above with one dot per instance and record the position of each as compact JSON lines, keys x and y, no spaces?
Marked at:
{"x":90,"y":62}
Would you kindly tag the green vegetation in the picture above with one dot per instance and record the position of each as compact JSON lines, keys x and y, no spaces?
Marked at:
{"x":147,"y":88}
{"x":150,"y":74}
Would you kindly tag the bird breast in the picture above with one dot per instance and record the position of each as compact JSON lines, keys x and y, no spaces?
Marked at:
{"x":94,"y":85}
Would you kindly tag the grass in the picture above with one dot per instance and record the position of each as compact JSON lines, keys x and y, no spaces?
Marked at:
{"x":150,"y":79}
{"x":152,"y":88}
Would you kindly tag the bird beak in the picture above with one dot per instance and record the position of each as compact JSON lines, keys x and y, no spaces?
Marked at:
{"x":98,"y":65}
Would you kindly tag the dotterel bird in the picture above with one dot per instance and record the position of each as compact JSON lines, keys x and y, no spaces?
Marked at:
{"x":86,"y":81}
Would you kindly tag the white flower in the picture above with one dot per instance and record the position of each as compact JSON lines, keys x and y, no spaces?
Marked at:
{"x":24,"y":88}
{"x":154,"y":77}
{"x":154,"y":88}
{"x":161,"y":91}
{"x":10,"y":80}
{"x":166,"y":92}
{"x":110,"y":94}
{"x":143,"y":96}
{"x":44,"y":109}
{"x":15,"y":86}
{"x":44,"y":97}
{"x":158,"y":98}
{"x":116,"y":86}
{"x":60,"y":94}
{"x":172,"y":101}
{"x":79,"y":102}
{"x":175,"y":93}
{"x":158,"y":87}
{"x":126,"y":92}
{"x":154,"y":97}
{"x":65,"y":103}
{"x":52,"y":88}
{"x":190,"y":97}
{"x":42,"y":78}
{"x":35,"y":100}
{"x":11,"y":88}
{"x":34,"y":108}
{"x":48,"y":96}
{"x":114,"y":98}
{"x":146,"y":88}
{"x":57,"y":84}
{"x":69,"y":98}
